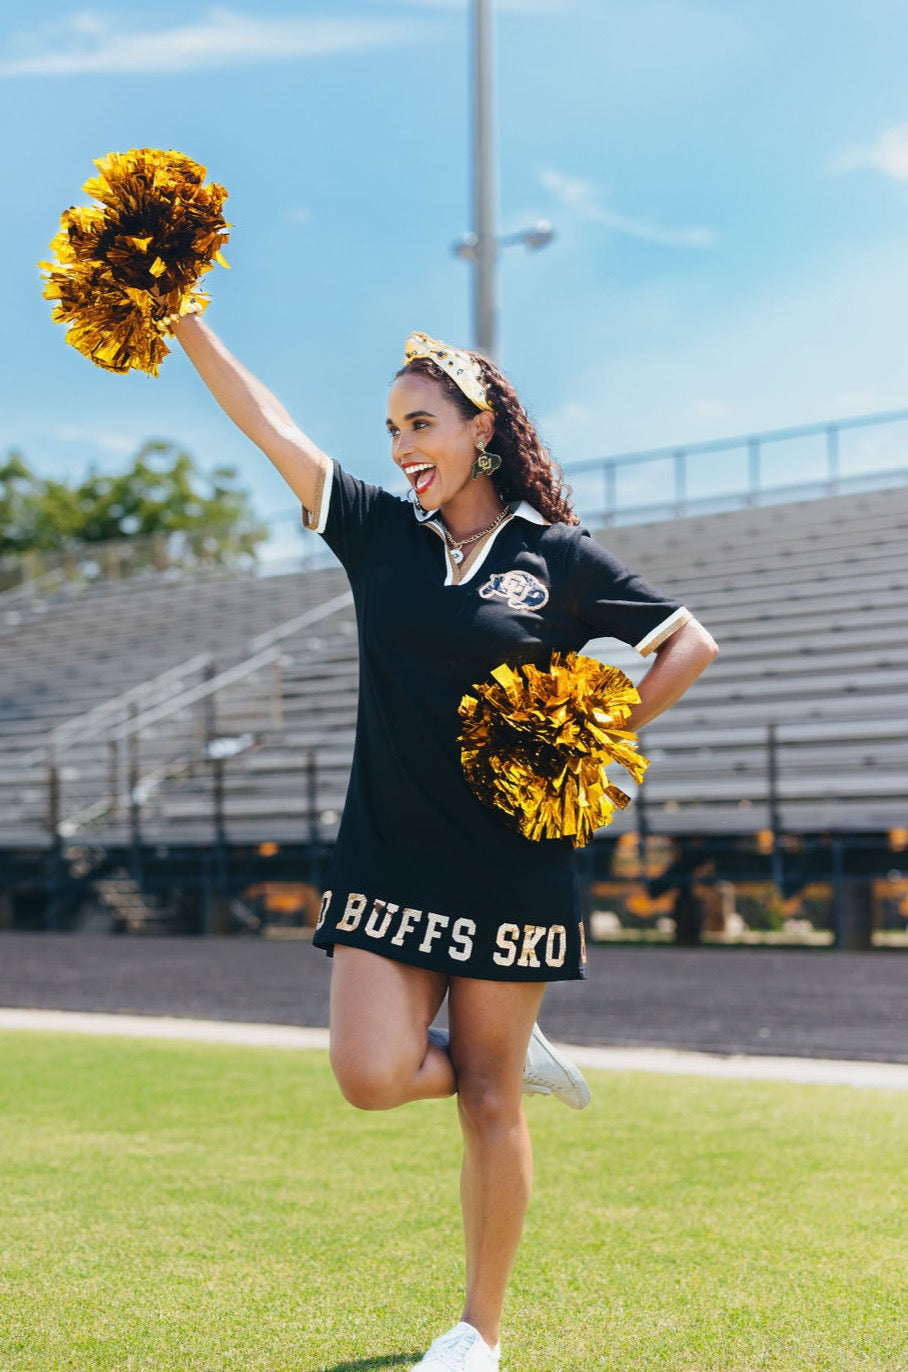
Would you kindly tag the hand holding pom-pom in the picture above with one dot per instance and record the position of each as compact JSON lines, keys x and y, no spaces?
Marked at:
{"x":535,"y":746}
{"x":126,"y":268}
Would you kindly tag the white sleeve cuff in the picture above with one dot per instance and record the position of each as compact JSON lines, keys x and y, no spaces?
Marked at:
{"x":656,"y":637}
{"x":316,"y":518}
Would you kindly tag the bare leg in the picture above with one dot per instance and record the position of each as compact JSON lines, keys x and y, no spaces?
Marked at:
{"x":380,"y":1015}
{"x":490,"y":1029}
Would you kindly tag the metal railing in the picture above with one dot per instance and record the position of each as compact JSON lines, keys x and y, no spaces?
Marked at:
{"x":102,"y":717}
{"x":180,"y":552}
{"x":124,"y":718}
{"x":814,"y":460}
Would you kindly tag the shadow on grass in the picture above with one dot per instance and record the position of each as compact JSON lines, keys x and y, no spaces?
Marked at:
{"x":368,"y":1364}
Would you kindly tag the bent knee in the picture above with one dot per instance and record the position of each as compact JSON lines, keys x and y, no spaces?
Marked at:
{"x":486,"y":1104}
{"x":368,"y":1085}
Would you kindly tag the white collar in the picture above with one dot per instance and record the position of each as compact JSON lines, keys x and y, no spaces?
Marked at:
{"x":526,"y":511}
{"x":522,"y":509}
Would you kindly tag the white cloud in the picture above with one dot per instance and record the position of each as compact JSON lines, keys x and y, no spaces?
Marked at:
{"x":88,"y":44}
{"x":889,"y":154}
{"x":107,"y":440}
{"x":88,"y":23}
{"x":579,"y":195}
{"x":299,"y":215}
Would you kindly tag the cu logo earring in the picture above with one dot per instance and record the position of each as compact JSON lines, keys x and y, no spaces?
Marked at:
{"x":521,"y":590}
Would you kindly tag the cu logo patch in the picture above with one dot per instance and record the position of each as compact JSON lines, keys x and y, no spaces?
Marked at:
{"x":521,"y":590}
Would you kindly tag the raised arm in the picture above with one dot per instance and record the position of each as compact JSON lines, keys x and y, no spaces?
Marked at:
{"x":254,"y":409}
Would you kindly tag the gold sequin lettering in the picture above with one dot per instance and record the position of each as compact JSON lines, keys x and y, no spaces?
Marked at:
{"x":353,"y":913}
{"x":379,"y":921}
{"x":556,"y":946}
{"x":506,"y":941}
{"x":435,"y":927}
{"x":462,"y":939}
{"x":532,"y":934}
{"x":408,"y":920}
{"x":323,"y":909}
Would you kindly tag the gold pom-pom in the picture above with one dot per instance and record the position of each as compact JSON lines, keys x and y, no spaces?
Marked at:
{"x":158,"y":227}
{"x":535,"y":745}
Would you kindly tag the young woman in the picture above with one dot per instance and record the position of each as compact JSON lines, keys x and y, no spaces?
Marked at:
{"x":432,"y":894}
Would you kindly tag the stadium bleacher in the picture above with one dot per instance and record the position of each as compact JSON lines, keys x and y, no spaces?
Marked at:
{"x":807,"y":601}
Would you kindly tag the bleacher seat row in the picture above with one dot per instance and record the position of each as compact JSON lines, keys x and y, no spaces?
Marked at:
{"x":807,"y":600}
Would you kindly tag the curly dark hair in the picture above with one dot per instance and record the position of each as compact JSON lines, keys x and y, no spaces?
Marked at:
{"x":527,"y":471}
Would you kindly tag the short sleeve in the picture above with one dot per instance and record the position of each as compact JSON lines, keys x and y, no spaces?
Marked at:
{"x":345,"y":512}
{"x":615,"y":602}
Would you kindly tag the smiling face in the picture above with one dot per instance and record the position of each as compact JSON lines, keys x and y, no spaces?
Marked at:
{"x":433,"y":443}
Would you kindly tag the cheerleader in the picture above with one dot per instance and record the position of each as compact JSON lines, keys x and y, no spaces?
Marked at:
{"x":432,"y":895}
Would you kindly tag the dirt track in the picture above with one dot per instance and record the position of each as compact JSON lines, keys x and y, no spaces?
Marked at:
{"x":790,"y":1002}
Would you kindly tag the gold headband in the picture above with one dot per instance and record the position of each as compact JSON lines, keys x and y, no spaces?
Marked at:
{"x":461,"y":367}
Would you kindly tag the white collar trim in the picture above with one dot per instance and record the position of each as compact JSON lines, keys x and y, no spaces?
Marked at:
{"x":522,"y":509}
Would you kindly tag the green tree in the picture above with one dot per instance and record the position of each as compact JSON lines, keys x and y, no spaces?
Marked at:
{"x":162,"y":492}
{"x":17,"y":505}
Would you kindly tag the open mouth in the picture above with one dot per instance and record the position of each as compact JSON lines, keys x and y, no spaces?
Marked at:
{"x":421,"y":474}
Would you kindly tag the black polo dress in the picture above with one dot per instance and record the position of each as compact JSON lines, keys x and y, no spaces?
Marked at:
{"x":423,"y":872}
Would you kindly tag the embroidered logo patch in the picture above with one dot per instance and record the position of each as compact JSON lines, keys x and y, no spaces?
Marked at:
{"x":521,"y":590}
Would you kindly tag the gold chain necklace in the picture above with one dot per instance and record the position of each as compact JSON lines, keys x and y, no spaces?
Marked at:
{"x":457,"y":545}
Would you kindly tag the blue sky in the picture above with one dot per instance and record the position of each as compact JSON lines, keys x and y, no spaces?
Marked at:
{"x":728,"y":183}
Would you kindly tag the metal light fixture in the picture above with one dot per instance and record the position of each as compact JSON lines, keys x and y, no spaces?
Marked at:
{"x":537,"y":236}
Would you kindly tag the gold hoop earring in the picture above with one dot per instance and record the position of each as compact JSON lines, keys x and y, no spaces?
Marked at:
{"x":485,"y":462}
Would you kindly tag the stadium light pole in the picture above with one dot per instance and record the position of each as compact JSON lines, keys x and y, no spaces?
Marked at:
{"x":485,"y":306}
{"x":481,"y":247}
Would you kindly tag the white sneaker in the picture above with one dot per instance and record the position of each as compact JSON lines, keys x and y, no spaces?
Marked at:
{"x":550,"y":1073}
{"x":546,"y":1072}
{"x":462,"y":1349}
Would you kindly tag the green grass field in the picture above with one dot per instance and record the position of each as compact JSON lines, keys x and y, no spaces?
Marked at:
{"x":171,"y":1206}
